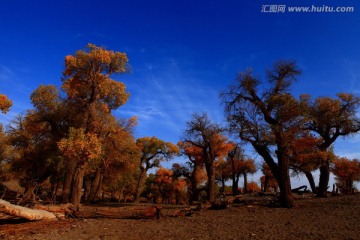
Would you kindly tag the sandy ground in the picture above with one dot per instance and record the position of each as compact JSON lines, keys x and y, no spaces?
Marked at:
{"x":328,"y":218}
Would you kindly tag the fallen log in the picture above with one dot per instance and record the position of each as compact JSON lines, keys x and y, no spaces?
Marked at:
{"x":24,"y":212}
{"x":119,"y":213}
{"x":301,"y":189}
{"x":60,"y":211}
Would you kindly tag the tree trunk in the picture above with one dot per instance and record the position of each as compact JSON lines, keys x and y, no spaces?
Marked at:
{"x":194,"y":191}
{"x":121,"y":193}
{"x":245,"y":183}
{"x":266,"y":183}
{"x":77,"y":186}
{"x":29,"y":194}
{"x":310,"y":178}
{"x":100,"y":187}
{"x":349,"y":186}
{"x":222,"y":185}
{"x":94,"y":191}
{"x":54,"y":190}
{"x":70,"y":170}
{"x":211,"y":182}
{"x":194,"y":185}
{"x":283,"y":179}
{"x":280,"y":171}
{"x":324,"y":179}
{"x":235,"y":185}
{"x":139,"y":185}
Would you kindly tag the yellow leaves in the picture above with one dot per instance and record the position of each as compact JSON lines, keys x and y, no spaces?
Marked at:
{"x":132,"y":122}
{"x":154,"y":146}
{"x":335,"y":115}
{"x":96,"y":59}
{"x":45,"y":98}
{"x":346,"y":97}
{"x":87,"y":76}
{"x":79,"y":146}
{"x":114,"y":93}
{"x":5,"y":103}
{"x":70,"y":63}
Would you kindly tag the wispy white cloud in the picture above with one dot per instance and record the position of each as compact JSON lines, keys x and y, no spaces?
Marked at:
{"x":166,"y":97}
{"x":6,"y":74}
{"x":348,"y":147}
{"x":352,"y":68}
{"x":16,"y":90}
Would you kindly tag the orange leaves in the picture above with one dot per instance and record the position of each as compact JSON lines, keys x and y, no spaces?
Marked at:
{"x":45,"y":98}
{"x":96,"y":59}
{"x":79,"y":146}
{"x":327,"y":108}
{"x":181,"y":185}
{"x":346,"y":172}
{"x":132,"y":122}
{"x":336,"y":113}
{"x":152,"y":146}
{"x":164,"y":175}
{"x":253,"y":187}
{"x":114,"y":93}
{"x":348,"y":98}
{"x":86,"y":76}
{"x":220,"y":146}
{"x":5,"y":103}
{"x":346,"y":169}
{"x":193,"y":152}
{"x":245,"y":166}
{"x":306,"y":155}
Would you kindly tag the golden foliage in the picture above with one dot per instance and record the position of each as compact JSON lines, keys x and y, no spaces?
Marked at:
{"x":5,"y":103}
{"x":220,"y":146}
{"x":345,"y":169}
{"x":80,"y":146}
{"x":306,"y":155}
{"x":152,"y":147}
{"x":163,"y":175}
{"x":45,"y":98}
{"x":253,"y":187}
{"x":86,"y":76}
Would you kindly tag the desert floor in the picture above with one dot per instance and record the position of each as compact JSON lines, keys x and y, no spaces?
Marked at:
{"x":336,"y":217}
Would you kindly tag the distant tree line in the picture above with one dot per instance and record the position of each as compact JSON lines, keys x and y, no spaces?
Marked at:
{"x":71,"y":148}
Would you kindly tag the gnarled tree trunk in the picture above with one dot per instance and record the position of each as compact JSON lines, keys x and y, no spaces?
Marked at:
{"x":211,"y":182}
{"x":139,"y":185}
{"x":235,"y":185}
{"x":70,"y":170}
{"x":324,"y":179}
{"x":245,"y":183}
{"x":310,"y":178}
{"x":77,"y":186}
{"x":96,"y":186}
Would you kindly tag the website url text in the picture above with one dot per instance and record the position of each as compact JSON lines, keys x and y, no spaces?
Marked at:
{"x":308,"y":9}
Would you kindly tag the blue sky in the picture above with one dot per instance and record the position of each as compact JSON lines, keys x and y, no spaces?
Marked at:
{"x":182,"y":53}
